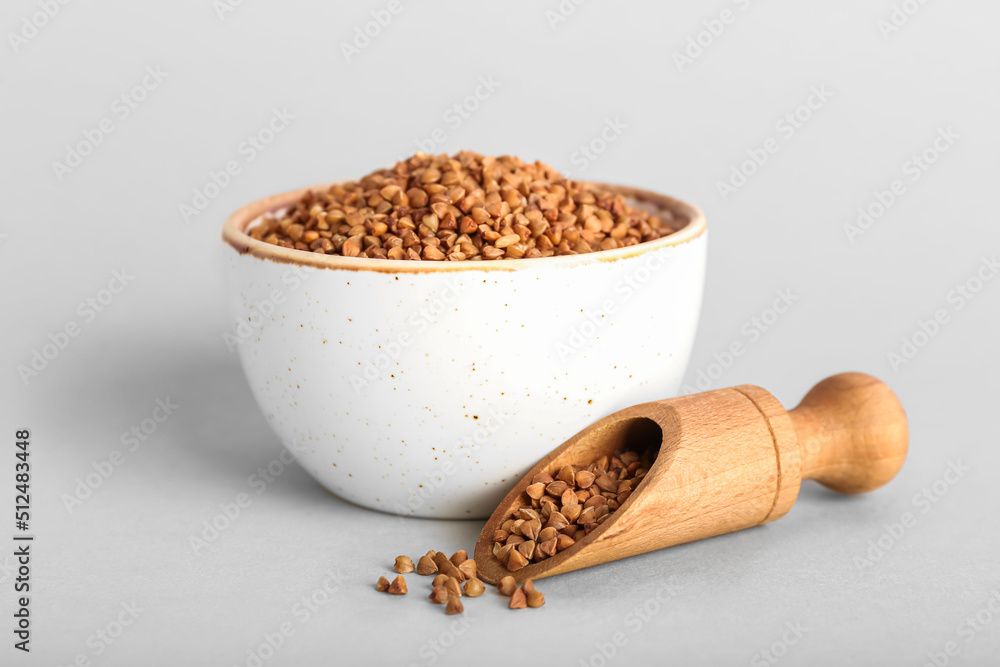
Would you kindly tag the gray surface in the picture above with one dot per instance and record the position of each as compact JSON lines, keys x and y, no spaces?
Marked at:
{"x":162,"y":336}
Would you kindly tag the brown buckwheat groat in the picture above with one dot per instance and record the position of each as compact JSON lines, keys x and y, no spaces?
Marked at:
{"x":398,"y":586}
{"x":404,"y":565}
{"x":426,"y":566}
{"x":507,"y":586}
{"x":464,"y":207}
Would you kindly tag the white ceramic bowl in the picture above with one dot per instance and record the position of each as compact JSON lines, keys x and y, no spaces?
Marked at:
{"x":428,"y":388}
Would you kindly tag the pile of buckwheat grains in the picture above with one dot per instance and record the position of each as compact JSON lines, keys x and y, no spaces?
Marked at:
{"x":561,"y":507}
{"x":556,"y":510}
{"x":464,"y":207}
{"x":454,"y":577}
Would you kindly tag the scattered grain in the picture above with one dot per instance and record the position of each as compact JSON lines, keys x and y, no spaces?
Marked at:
{"x":398,"y":586}
{"x":507,"y":586}
{"x":518,"y":600}
{"x":535,"y":599}
{"x":474,"y":588}
{"x":404,"y":565}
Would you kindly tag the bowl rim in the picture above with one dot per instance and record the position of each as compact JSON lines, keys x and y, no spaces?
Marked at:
{"x":234,"y":234}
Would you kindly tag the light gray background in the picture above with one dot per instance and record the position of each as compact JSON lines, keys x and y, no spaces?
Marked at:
{"x":731,"y":597}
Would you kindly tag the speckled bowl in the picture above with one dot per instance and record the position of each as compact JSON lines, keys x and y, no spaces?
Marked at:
{"x":427,"y":388}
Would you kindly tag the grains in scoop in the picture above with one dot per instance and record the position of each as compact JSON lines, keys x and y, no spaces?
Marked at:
{"x":562,"y":506}
{"x":462,"y":208}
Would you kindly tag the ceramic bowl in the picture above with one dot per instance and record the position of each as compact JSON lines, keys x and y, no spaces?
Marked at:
{"x":428,"y":388}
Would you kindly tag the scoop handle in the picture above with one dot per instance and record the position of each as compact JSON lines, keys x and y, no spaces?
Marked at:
{"x":852,"y":433}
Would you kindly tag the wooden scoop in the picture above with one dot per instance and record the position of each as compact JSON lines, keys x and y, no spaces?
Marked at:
{"x":727,"y":459}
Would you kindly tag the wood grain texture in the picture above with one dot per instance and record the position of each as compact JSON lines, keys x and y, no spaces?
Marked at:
{"x":727,"y":459}
{"x":786,"y":447}
{"x":852,"y":432}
